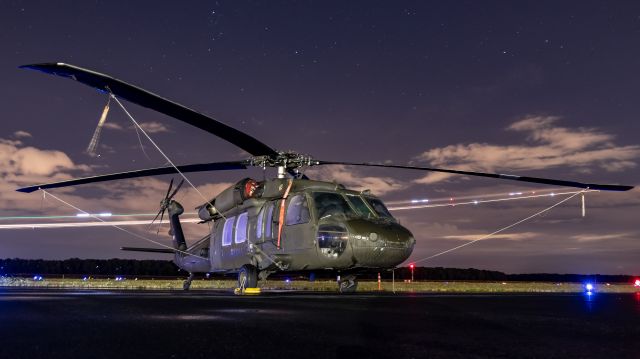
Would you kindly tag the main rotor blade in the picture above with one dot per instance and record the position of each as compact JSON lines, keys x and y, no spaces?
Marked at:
{"x":150,"y":100}
{"x":202,"y":167}
{"x":555,"y":182}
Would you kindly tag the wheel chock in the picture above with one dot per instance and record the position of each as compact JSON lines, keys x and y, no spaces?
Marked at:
{"x":252,"y":291}
{"x":247,"y":291}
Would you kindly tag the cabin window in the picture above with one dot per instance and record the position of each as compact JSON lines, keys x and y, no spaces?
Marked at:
{"x":331,"y":203}
{"x":227,"y":232}
{"x":379,"y":207}
{"x":259,"y":223}
{"x":269,"y":220}
{"x":298,"y":210}
{"x":360,"y":206}
{"x":241,"y":228}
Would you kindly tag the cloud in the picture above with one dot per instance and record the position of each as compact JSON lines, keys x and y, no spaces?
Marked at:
{"x":22,"y":166}
{"x":549,"y":146}
{"x":22,"y":134}
{"x":602,"y":237}
{"x":26,"y":161}
{"x":340,"y":174}
{"x":154,"y":127}
{"x":113,"y":126}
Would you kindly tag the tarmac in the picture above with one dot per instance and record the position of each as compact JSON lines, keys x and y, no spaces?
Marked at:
{"x":217,"y":324}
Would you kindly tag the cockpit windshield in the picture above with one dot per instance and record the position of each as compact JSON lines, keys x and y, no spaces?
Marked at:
{"x":379,"y":207}
{"x":361,"y":208}
{"x":329,"y":204}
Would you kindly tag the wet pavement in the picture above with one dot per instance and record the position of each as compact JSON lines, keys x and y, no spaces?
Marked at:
{"x":217,"y":324}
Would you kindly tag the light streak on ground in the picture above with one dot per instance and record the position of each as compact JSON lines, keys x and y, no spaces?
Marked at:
{"x":88,"y":224}
{"x":475,"y":202}
{"x":476,"y":197}
{"x":450,"y":202}
{"x":76,"y":216}
{"x":86,"y":215}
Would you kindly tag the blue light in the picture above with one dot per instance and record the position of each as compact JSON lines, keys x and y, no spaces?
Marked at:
{"x":84,"y":279}
{"x":588,"y":287}
{"x":287,"y":280}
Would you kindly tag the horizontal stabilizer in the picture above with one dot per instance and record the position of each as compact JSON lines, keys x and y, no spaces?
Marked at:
{"x":150,"y":250}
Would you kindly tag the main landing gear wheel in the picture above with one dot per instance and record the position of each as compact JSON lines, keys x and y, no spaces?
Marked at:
{"x":348,"y":284}
{"x":187,"y":283}
{"x":247,"y":277}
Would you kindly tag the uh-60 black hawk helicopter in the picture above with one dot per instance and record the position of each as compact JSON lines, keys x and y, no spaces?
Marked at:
{"x":288,"y":223}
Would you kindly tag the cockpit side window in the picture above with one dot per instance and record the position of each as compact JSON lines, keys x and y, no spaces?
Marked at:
{"x":379,"y":207}
{"x":297,"y":211}
{"x":360,"y":206}
{"x":330,"y":203}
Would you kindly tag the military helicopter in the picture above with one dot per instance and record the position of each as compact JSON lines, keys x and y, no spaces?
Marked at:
{"x":285,"y":224}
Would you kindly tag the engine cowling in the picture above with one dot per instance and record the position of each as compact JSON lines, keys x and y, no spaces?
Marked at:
{"x":229,"y":198}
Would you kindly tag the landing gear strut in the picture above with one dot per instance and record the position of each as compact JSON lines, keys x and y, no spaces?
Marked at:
{"x":348,"y":284}
{"x":187,"y":283}
{"x":247,"y":277}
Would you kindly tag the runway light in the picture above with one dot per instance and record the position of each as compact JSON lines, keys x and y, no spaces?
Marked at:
{"x":588,"y":287}
{"x":37,"y":278}
{"x":287,"y":280}
{"x":636,"y":283}
{"x":82,"y":215}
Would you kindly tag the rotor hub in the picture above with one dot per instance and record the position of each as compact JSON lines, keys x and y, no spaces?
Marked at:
{"x":288,"y":160}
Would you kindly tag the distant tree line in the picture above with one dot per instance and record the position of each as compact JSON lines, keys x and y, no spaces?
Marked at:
{"x":91,"y":267}
{"x":553,"y":277}
{"x":164,"y":268}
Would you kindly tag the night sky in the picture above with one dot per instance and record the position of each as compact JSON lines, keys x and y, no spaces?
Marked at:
{"x":544,"y":89}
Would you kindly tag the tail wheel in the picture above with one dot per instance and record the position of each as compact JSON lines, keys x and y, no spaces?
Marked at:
{"x":348,"y":285}
{"x":247,"y":277}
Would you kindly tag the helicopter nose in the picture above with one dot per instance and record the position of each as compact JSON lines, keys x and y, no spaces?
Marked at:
{"x":380,"y":244}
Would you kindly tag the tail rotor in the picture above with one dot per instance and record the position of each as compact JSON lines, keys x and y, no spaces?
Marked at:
{"x":165,"y":202}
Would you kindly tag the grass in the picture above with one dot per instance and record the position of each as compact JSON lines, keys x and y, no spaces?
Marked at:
{"x":319,"y":285}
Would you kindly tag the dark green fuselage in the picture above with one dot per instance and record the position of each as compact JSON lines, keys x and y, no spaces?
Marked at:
{"x":325,"y":226}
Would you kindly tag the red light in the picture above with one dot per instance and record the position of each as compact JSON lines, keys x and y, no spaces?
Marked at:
{"x":636,"y":283}
{"x":412,"y":265}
